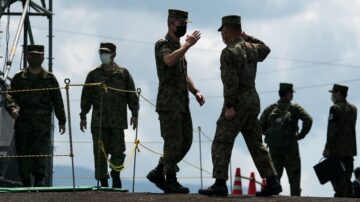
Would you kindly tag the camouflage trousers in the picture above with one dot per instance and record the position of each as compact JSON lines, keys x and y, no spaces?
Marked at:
{"x":247,"y":123}
{"x":288,"y":158}
{"x":177,"y":132}
{"x":32,"y":142}
{"x":342,"y":185}
{"x":114,"y":144}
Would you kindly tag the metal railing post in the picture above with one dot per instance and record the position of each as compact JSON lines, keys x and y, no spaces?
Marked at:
{"x":67,"y":82}
{"x":136,"y":138}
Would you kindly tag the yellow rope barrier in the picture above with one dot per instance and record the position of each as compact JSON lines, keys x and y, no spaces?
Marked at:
{"x":190,"y":164}
{"x":127,"y":142}
{"x":102,"y":85}
{"x":121,"y":90}
{"x":160,"y":154}
{"x":47,"y":89}
{"x":34,"y":156}
{"x":147,"y":100}
{"x":136,"y":143}
{"x":85,"y":84}
{"x":126,"y":177}
{"x":126,"y":163}
{"x":32,"y":90}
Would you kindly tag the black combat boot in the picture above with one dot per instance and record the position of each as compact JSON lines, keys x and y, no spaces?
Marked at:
{"x":272,"y":187}
{"x":157,"y":176}
{"x":38,"y":181}
{"x":172,"y":186}
{"x":116,"y":181}
{"x":219,"y":188}
{"x":104,"y":182}
{"x":26,"y":182}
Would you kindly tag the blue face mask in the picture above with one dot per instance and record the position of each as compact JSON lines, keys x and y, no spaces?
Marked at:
{"x":105,"y":58}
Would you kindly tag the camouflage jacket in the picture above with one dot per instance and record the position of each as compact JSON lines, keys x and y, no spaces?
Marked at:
{"x":290,"y":130}
{"x":114,"y":103}
{"x":38,"y":104}
{"x":238,"y":68}
{"x":173,"y":93}
{"x":341,"y":134}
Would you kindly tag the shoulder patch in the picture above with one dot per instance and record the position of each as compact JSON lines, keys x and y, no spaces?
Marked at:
{"x":333,"y":112}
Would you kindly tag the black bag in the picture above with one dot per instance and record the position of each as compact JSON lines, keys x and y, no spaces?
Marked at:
{"x":329,"y":169}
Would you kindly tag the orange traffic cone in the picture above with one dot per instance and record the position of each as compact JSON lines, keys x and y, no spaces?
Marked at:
{"x":237,"y":190}
{"x":263,"y":184}
{"x":252,"y":185}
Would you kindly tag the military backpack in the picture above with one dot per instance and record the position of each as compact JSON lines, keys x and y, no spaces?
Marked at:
{"x":280,"y":128}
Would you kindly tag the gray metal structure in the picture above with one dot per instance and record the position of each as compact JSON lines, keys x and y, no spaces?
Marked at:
{"x":31,"y":8}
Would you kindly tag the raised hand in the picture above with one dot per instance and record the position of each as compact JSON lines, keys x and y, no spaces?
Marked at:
{"x":193,"y":38}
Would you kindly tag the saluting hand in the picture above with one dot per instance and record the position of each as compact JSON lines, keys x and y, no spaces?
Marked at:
{"x":200,"y":98}
{"x":83,"y":125}
{"x":193,"y":38}
{"x":133,"y":122}
{"x":245,"y":36}
{"x":62,"y":129}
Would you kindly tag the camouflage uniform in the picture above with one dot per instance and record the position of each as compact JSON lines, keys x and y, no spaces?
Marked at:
{"x":109,"y":116}
{"x":33,"y":126}
{"x":173,"y":105}
{"x":284,"y":148}
{"x":341,"y":143}
{"x":238,"y":72}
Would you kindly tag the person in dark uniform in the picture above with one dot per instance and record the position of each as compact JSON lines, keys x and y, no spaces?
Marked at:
{"x":32,"y":113}
{"x":341,"y":138}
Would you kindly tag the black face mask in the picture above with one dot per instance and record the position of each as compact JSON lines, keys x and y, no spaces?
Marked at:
{"x":180,"y":30}
{"x":35,"y":62}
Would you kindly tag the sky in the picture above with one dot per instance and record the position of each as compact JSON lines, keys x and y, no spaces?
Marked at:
{"x":314,"y":44}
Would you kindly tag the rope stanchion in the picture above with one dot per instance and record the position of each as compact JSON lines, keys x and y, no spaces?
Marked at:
{"x":200,"y":153}
{"x":103,"y":86}
{"x":67,"y":82}
{"x":138,"y":91}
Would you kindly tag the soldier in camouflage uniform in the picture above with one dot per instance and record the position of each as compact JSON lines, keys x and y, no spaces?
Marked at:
{"x":241,"y":108}
{"x":109,"y":115}
{"x":279,"y":123}
{"x":32,"y":112}
{"x":341,"y":138}
{"x":173,"y":101}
